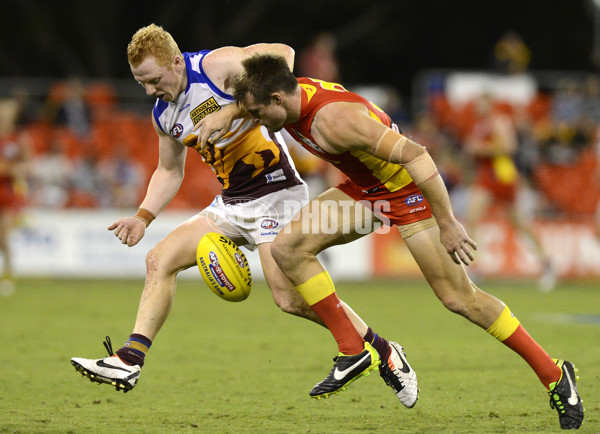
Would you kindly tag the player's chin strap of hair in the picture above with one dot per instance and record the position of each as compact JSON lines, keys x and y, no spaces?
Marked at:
{"x":144,"y":216}
{"x":420,"y":169}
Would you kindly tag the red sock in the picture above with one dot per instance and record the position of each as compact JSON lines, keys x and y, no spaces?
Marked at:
{"x":508,"y":330}
{"x":523,"y":344}
{"x":331,"y":311}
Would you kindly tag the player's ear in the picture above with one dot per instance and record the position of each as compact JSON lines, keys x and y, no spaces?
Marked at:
{"x":276,"y":98}
{"x":178,"y":61}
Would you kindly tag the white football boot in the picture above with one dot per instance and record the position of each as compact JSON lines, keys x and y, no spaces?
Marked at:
{"x":397,"y":373}
{"x":110,"y":370}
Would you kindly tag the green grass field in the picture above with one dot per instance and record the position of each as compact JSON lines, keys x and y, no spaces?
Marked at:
{"x":246,"y":367}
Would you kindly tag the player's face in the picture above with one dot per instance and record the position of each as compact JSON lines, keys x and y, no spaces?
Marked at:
{"x":159,"y":81}
{"x":272,"y":116}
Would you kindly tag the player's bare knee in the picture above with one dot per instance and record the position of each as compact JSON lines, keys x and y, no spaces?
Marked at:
{"x":282,"y":252}
{"x":454,"y":305}
{"x":156,"y":262}
{"x":151,"y":262}
{"x":464,"y":304}
{"x":287,"y":306}
{"x":296,"y":306}
{"x":454,"y":301}
{"x":302,"y":312}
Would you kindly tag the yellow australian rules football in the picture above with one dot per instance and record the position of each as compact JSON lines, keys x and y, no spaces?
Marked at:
{"x":224,"y":267}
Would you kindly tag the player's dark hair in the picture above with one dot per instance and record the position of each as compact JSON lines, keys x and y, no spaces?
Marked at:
{"x":264,"y":74}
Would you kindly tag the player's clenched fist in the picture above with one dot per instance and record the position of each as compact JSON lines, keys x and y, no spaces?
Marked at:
{"x":129,"y":230}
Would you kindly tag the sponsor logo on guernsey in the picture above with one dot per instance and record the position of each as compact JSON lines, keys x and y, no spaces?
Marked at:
{"x":275,"y":176}
{"x":207,"y":107}
{"x":371,"y":190}
{"x":218,"y":273}
{"x":264,"y":234}
{"x":269,"y":224}
{"x":413,"y":199}
{"x":308,"y":141}
{"x":177,"y":130}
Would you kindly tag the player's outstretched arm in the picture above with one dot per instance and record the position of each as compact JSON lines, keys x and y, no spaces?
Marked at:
{"x":453,"y":235}
{"x":164,"y":185}
{"x":348,"y":126}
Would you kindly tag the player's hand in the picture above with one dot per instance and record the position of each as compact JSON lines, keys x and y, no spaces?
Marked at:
{"x":129,"y":230}
{"x":214,"y":126}
{"x":457,"y":243}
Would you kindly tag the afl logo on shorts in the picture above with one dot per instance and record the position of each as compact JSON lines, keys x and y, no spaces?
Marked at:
{"x":177,"y":130}
{"x":413,"y":199}
{"x":269,"y":224}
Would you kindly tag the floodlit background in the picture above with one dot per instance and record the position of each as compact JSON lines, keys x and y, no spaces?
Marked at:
{"x":444,"y":71}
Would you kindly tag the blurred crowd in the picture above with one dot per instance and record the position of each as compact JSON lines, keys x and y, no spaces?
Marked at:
{"x":79,"y":149}
{"x":77,"y":146}
{"x":549,"y":142}
{"x":65,"y":164}
{"x":552,"y":141}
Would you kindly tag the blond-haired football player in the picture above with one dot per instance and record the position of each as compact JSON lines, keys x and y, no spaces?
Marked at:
{"x":261,"y":192}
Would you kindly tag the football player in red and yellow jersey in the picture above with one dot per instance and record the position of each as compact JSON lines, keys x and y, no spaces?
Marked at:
{"x":392,"y":180}
{"x":491,"y":142}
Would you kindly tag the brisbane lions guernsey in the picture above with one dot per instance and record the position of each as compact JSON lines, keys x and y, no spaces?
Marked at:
{"x":368,"y":172}
{"x":249,"y":161}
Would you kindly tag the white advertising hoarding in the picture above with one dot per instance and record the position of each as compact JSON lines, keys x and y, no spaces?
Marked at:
{"x":78,"y":244}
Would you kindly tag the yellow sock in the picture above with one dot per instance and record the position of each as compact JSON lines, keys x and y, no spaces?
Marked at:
{"x":319,"y":293}
{"x":504,"y":326}
{"x":511,"y":333}
{"x":316,"y":288}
